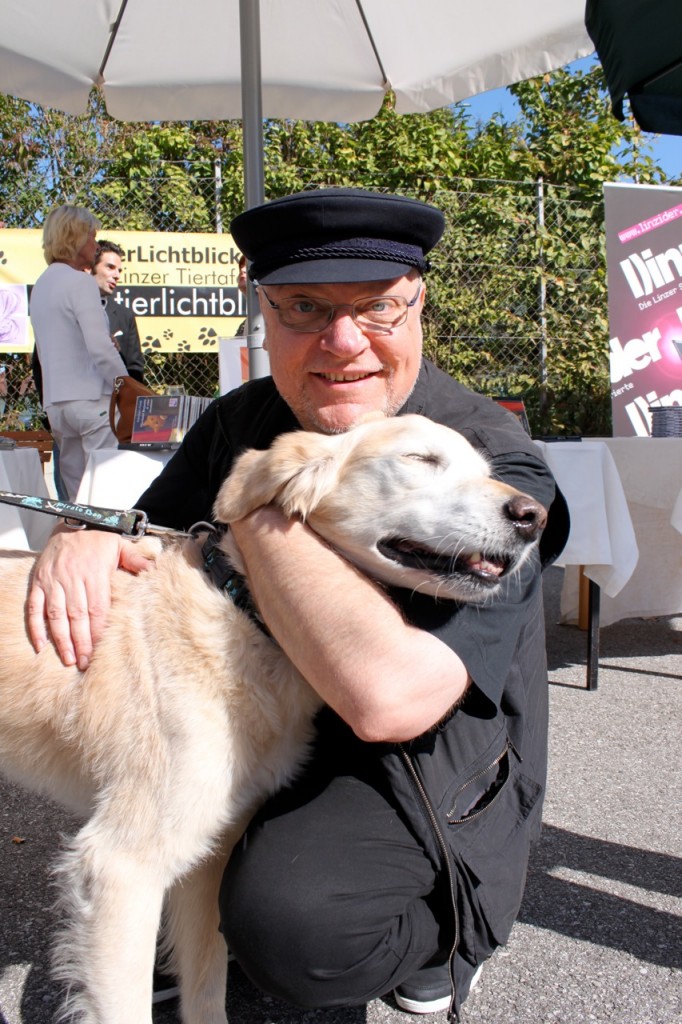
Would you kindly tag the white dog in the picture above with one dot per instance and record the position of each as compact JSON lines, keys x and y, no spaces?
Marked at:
{"x":189,"y":715}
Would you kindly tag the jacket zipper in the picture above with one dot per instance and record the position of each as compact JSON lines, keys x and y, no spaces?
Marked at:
{"x":446,"y":856}
{"x":479,"y":775}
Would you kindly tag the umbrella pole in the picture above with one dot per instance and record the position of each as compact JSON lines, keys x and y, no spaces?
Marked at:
{"x":254,"y":178}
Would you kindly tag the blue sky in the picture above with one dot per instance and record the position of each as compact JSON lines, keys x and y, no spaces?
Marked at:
{"x":666,"y":149}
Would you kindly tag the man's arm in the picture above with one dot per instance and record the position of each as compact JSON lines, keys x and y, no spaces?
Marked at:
{"x":387,"y":679}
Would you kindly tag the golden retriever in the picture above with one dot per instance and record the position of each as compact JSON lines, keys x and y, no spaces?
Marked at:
{"x":189,"y":715}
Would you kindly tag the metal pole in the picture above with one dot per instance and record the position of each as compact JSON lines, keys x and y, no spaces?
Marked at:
{"x":254,"y":178}
{"x":542,"y":295}
{"x":218,"y":194}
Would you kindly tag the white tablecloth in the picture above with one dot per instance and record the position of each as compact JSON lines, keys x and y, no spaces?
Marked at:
{"x":650,"y":469}
{"x":116,"y":479}
{"x":602,"y":537}
{"x":21,"y":472}
{"x":642,"y":576}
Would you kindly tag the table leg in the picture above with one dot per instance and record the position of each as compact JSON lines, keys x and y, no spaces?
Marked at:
{"x":588,"y":618}
{"x":593,"y":636}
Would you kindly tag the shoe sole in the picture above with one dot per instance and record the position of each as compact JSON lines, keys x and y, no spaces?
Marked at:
{"x":425,"y":1006}
{"x":422,"y":1006}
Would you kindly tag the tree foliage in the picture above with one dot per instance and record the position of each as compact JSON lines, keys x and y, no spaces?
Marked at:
{"x":517,"y":297}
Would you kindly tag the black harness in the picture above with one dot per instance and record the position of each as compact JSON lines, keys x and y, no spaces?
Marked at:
{"x":225,"y":576}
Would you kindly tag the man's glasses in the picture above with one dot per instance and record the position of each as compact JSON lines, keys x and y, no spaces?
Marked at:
{"x":309,"y":315}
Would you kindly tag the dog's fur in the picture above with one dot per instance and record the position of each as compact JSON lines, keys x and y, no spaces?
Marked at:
{"x":189,"y":716}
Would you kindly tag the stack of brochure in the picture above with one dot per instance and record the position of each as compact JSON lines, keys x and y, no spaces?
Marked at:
{"x":163,"y":420}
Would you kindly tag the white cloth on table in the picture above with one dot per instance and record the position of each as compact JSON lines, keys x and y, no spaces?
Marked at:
{"x":649,"y":474}
{"x":115,"y":478}
{"x":21,"y":472}
{"x":602,"y":537}
{"x":651,"y":471}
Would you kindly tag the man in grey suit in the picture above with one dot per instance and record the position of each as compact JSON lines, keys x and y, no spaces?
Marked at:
{"x":107,"y":271}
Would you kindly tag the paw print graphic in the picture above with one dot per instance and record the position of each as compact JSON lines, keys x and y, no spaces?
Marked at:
{"x":208,"y":336}
{"x":3,"y":258}
{"x":184,"y":346}
{"x":150,"y":342}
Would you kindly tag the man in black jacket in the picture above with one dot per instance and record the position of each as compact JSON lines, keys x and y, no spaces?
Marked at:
{"x":107,"y":270}
{"x":397,"y":860}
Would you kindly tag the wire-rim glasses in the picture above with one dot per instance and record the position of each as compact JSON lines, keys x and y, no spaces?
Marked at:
{"x":310,"y":315}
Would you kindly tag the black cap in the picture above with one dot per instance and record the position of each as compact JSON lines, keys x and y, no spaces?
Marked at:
{"x":337,"y":235}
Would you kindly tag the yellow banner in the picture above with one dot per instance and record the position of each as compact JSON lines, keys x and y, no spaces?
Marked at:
{"x":182,"y":288}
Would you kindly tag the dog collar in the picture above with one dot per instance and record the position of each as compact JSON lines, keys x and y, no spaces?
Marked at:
{"x":225,"y":576}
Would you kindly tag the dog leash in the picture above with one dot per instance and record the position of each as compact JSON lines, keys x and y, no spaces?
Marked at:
{"x":131,"y":522}
{"x":134,"y":523}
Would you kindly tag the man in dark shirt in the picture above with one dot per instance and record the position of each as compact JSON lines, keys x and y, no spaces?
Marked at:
{"x":397,"y":860}
{"x":122,"y":325}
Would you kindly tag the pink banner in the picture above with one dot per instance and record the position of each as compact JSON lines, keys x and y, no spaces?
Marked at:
{"x":645,"y":302}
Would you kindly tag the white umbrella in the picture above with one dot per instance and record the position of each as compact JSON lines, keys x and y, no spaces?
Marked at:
{"x":324,"y":60}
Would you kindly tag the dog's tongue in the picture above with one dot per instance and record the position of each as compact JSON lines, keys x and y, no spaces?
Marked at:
{"x":481,"y":564}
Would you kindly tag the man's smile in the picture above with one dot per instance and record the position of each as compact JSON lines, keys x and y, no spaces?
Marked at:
{"x":345,"y":378}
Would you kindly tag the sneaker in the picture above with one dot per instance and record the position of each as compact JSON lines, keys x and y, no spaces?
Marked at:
{"x":165,"y":987}
{"x":429,"y":990}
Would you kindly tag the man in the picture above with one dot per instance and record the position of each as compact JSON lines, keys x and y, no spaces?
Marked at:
{"x":397,"y":860}
{"x":241,"y":285}
{"x":107,"y":271}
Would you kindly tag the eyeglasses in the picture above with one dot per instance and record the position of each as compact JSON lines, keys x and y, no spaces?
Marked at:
{"x":375,"y":313}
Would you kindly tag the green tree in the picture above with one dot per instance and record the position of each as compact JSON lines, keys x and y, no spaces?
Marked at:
{"x":521,"y":300}
{"x":20,"y":152}
{"x":571,"y":137}
{"x":165,"y":176}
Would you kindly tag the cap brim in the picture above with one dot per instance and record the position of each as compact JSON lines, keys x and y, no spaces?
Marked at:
{"x":335,"y":271}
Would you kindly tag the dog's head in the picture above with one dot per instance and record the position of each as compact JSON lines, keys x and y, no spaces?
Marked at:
{"x":408,"y":501}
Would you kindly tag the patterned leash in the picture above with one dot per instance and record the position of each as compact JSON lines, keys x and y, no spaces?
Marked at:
{"x":129,"y":522}
{"x":133,"y":523}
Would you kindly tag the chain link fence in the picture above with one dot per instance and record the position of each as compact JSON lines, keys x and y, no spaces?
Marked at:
{"x":516,"y":299}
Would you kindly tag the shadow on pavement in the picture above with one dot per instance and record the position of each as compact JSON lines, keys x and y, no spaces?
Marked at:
{"x":565,"y":894}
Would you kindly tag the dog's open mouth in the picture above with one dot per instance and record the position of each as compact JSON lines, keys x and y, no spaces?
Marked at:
{"x":486,"y":567}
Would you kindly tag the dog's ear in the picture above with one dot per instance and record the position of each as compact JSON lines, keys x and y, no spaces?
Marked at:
{"x":295,"y":473}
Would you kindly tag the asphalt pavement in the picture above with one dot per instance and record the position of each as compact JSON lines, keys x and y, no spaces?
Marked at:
{"x":599,"y":937}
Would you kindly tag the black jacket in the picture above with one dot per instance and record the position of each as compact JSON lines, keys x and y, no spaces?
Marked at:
{"x":123,"y":327}
{"x":473,"y":787}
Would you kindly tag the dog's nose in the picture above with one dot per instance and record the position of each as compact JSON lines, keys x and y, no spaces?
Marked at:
{"x":527,"y":515}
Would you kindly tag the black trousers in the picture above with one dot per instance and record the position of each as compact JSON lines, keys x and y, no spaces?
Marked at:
{"x":330,"y":899}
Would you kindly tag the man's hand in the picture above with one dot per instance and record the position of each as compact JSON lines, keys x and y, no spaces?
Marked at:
{"x":70,"y":593}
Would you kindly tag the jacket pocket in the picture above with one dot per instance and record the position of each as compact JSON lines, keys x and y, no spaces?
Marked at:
{"x":489,"y":820}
